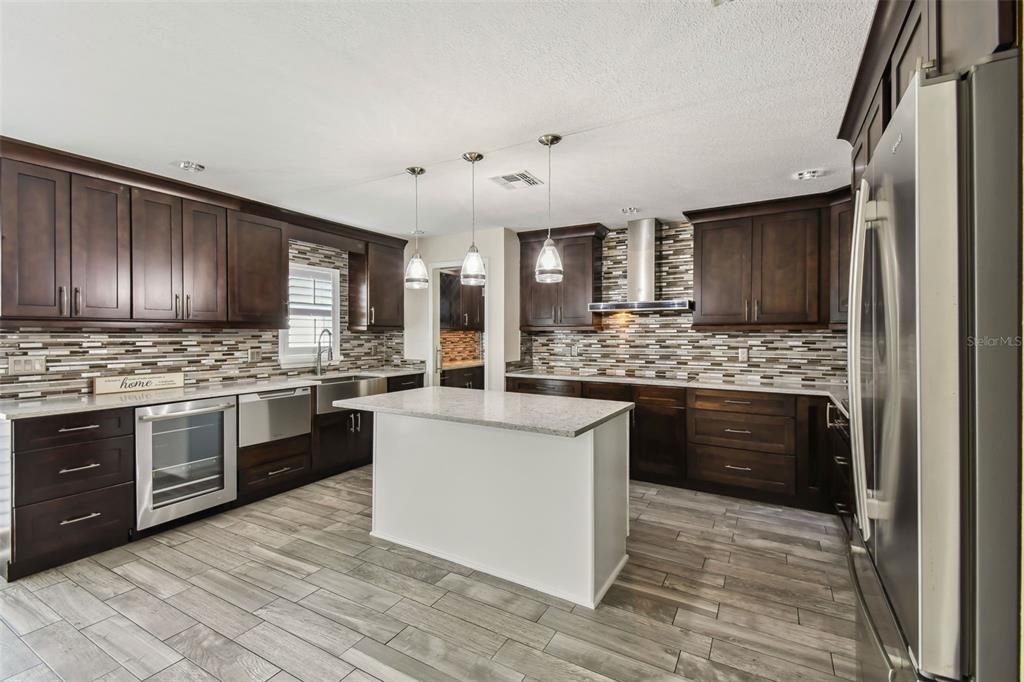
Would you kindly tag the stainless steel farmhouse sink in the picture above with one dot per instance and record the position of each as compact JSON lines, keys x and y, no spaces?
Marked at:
{"x":351,"y":386}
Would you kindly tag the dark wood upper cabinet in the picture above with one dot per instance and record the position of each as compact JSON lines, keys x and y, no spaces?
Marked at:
{"x":784,"y":280}
{"x":257,"y":270}
{"x":472,"y":307}
{"x":721,"y":271}
{"x":840,"y":241}
{"x":376,"y":294}
{"x":450,"y":295}
{"x":563,"y":305}
{"x":36,"y":229}
{"x":204,"y":245}
{"x":101,"y":264}
{"x":156,"y":256}
{"x":912,"y":48}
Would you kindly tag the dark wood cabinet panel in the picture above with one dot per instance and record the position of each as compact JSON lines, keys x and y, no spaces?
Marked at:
{"x":563,"y":305}
{"x":722,"y":253}
{"x":657,"y":452}
{"x":466,"y":377}
{"x":743,"y":402}
{"x":101,"y":266}
{"x":376,"y":294}
{"x":204,"y":245}
{"x":343,"y":441}
{"x":450,"y":296}
{"x":405,"y":383}
{"x":763,"y":433}
{"x":257,"y":270}
{"x":472,"y":307}
{"x":582,"y":280}
{"x":156,"y":256}
{"x":607,"y":391}
{"x":538,"y":302}
{"x":569,"y":389}
{"x":67,"y":429}
{"x":912,"y":48}
{"x":272,"y":467}
{"x":729,"y":466}
{"x":36,"y":230}
{"x":815,"y":464}
{"x":784,"y":279}
{"x":70,"y":469}
{"x":840,"y":242}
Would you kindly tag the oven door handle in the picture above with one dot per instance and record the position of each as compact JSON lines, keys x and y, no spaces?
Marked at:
{"x":190,"y":413}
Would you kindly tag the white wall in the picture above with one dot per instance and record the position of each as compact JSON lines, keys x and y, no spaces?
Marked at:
{"x":500,"y":249}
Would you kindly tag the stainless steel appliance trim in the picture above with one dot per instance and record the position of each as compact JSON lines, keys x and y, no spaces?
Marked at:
{"x":853,"y":338}
{"x":866,"y":613}
{"x":146,"y":515}
{"x":273,"y":415}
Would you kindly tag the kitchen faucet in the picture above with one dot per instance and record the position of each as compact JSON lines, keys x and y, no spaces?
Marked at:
{"x":320,"y":350}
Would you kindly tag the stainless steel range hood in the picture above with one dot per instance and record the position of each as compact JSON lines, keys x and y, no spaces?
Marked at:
{"x":640,"y":268}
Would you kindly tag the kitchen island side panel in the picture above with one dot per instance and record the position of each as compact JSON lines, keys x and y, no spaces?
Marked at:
{"x":611,"y":497}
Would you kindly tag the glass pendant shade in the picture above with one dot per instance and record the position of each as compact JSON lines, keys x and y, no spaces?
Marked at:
{"x":416,"y":276}
{"x":549,"y":264}
{"x":473,"y":273}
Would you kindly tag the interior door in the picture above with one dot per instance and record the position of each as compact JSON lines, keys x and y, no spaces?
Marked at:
{"x":156,"y":256}
{"x":100,"y":249}
{"x":36,"y":228}
{"x":722,"y":252}
{"x":784,"y":278}
{"x":204,"y":244}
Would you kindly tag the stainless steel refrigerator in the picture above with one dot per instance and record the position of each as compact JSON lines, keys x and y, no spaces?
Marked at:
{"x":934,"y":377}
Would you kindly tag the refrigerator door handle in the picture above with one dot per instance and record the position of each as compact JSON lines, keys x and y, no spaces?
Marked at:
{"x":860,"y":227}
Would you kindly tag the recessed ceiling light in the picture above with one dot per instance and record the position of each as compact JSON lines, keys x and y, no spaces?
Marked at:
{"x":631,"y":210}
{"x":809,"y":174}
{"x":191,"y":166}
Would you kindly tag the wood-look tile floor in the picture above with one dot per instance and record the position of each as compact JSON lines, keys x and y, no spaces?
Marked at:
{"x":293,"y":587}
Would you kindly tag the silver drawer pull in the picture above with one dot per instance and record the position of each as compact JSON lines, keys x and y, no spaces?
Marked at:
{"x":740,"y":431}
{"x":736,"y":402}
{"x":278,"y":471}
{"x":67,"y":429}
{"x":841,"y":461}
{"x":735,"y":468}
{"x":94,"y":465}
{"x":68,"y":522}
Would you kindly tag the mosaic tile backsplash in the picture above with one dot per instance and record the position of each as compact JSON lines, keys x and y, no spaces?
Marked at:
{"x":460,"y":346}
{"x":76,"y":356}
{"x":663,"y":344}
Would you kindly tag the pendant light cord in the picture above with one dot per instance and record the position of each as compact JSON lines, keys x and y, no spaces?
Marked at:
{"x":549,"y":191}
{"x":472,"y":234}
{"x":416,"y":178}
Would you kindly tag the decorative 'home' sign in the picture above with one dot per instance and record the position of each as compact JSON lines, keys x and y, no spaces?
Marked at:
{"x":138,"y":382}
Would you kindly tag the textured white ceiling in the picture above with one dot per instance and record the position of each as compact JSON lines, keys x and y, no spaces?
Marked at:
{"x":319,"y":107}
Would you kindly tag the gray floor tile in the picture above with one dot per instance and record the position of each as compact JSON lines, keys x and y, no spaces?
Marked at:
{"x":139,"y":652}
{"x":213,"y":612}
{"x":151,"y":614}
{"x":23,"y":611}
{"x":69,"y":653}
{"x":294,"y":655}
{"x":221,"y":657}
{"x":74,"y":604}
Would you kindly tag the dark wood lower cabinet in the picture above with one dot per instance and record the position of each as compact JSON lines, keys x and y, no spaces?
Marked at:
{"x":467,"y":377}
{"x":657,"y":452}
{"x":343,"y":441}
{"x":70,"y":469}
{"x":273,"y":467}
{"x":405,"y":383}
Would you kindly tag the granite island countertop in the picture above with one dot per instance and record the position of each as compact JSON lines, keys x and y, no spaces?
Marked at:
{"x":25,"y":408}
{"x":549,"y":415}
{"x":838,"y":393}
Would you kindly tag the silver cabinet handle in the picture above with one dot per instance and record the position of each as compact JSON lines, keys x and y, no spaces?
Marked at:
{"x":560,"y":313}
{"x":188,"y":305}
{"x":735,"y":468}
{"x":739,"y":431}
{"x":359,"y":422}
{"x":174,"y":415}
{"x":68,"y":522}
{"x":465,"y":319}
{"x":70,"y":429}
{"x":746,"y":310}
{"x":757,"y":308}
{"x":62,"y":300}
{"x":372,"y":316}
{"x":352,"y":422}
{"x":94,"y":465}
{"x":77,"y":302}
{"x":177,"y":306}
{"x":275,"y":472}
{"x":841,"y":461}
{"x":729,"y":401}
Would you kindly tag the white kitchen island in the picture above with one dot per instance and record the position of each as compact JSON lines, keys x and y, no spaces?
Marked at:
{"x":533,"y":489}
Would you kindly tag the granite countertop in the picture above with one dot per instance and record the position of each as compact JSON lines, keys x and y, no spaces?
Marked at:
{"x":838,"y":393}
{"x":42,"y":407}
{"x":549,"y":415}
{"x":462,"y":364}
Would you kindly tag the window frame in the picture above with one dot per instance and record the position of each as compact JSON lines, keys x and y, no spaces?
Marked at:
{"x":290,"y":360}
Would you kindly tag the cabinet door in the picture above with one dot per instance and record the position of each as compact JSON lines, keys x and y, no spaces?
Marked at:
{"x":36,"y":228}
{"x":721,"y":261}
{"x":204,"y":242}
{"x":840,"y":240}
{"x":336,"y":437}
{"x":577,"y":288}
{"x":539,"y":302}
{"x":658,"y":450}
{"x":156,"y":256}
{"x":472,"y":307}
{"x":784,"y":281}
{"x":257,"y":270}
{"x":451,"y":301}
{"x":361,"y":440}
{"x":911,"y":46}
{"x":101,"y":267}
{"x":385,"y":292}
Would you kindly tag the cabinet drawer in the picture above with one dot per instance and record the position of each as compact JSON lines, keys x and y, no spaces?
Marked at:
{"x":65,"y":429}
{"x":253,"y":480}
{"x":70,"y":527}
{"x":41,"y":475}
{"x":741,"y":401}
{"x":405,"y":383}
{"x":750,"y":431}
{"x":268,"y":453}
{"x":548,"y":387}
{"x":607,"y":391}
{"x":757,"y":470}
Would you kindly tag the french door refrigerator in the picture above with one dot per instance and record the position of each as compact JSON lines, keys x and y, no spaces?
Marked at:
{"x":934,"y":378}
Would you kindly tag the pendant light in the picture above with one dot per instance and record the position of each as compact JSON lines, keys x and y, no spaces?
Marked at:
{"x":549,"y":264}
{"x":416,"y":276}
{"x":473,"y":272}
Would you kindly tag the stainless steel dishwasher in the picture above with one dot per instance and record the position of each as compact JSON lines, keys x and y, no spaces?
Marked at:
{"x":272,"y":415}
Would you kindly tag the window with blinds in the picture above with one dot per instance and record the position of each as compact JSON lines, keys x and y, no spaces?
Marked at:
{"x":312,"y":307}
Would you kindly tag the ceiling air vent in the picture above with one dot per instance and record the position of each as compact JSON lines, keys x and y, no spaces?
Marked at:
{"x":520,"y":180}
